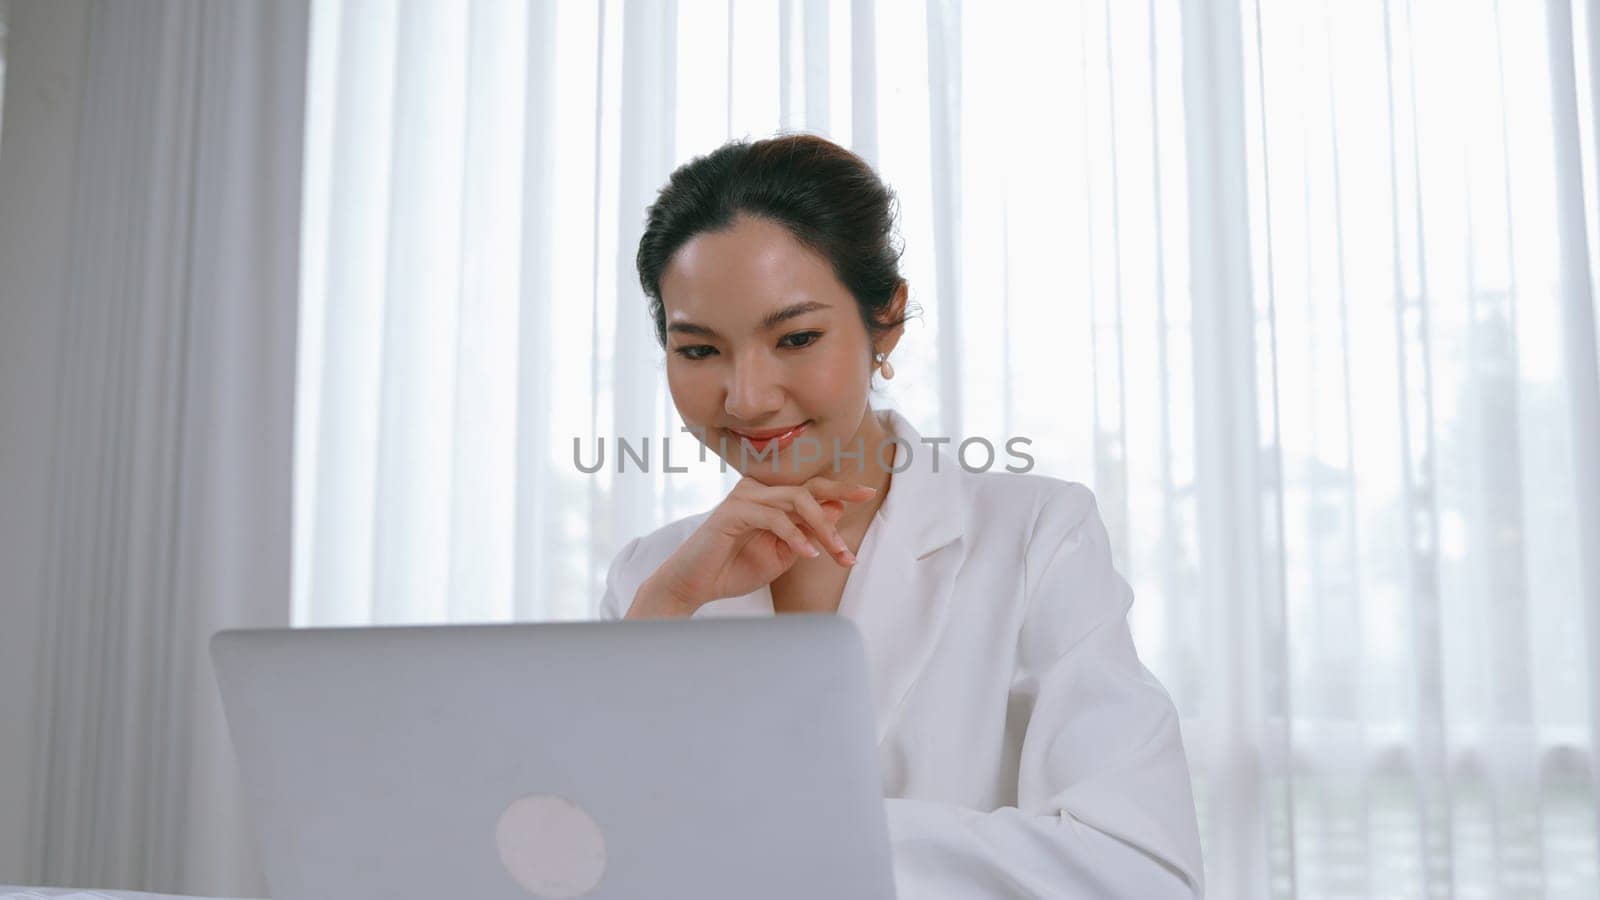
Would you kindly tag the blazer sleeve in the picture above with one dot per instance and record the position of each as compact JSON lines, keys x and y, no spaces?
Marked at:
{"x":1104,"y":805}
{"x":613,"y":604}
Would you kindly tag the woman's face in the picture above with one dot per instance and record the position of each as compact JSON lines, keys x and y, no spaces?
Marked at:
{"x":763,"y":339}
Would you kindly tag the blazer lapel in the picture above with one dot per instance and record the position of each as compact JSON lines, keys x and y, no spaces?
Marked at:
{"x":900,"y":598}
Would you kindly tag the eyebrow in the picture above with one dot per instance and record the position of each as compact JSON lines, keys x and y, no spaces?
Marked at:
{"x":772,"y":319}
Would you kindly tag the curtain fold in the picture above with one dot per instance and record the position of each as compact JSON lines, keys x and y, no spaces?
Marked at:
{"x":165,"y":516}
{"x":1578,"y":326}
{"x":1244,"y":743}
{"x":1304,"y":291}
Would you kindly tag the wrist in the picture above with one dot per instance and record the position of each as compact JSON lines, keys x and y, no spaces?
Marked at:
{"x":656,"y":600}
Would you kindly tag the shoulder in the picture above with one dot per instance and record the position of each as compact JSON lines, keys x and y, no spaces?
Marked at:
{"x":1036,"y":508}
{"x":1070,"y":585}
{"x":638,"y":558}
{"x":1052,"y":531}
{"x":1034,"y":519}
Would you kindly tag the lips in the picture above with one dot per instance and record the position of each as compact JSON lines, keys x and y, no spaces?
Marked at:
{"x":761,"y":440}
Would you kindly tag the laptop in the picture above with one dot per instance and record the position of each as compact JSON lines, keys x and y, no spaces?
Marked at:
{"x":725,"y":758}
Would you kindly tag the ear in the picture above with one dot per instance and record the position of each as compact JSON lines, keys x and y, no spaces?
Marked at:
{"x":886,"y":341}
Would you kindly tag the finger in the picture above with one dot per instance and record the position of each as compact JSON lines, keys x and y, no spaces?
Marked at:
{"x":807,"y":507}
{"x":783,"y":496}
{"x":823,"y":540}
{"x":739,"y":516}
{"x":779,"y":523}
{"x":848,"y":492}
{"x":799,"y":503}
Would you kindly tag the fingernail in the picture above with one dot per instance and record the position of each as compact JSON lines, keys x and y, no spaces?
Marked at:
{"x":849,"y":558}
{"x":811,"y":549}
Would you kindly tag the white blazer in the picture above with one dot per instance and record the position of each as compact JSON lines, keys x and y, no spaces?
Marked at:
{"x":1025,"y":750}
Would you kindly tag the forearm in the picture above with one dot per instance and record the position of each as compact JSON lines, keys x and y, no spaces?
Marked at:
{"x":945,"y":851}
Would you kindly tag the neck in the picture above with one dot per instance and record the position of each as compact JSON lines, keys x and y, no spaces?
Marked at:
{"x":873,"y":438}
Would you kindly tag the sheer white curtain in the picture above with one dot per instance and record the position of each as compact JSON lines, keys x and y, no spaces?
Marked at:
{"x":1303,"y":290}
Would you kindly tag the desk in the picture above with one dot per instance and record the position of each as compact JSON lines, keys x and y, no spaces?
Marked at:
{"x":9,"y":892}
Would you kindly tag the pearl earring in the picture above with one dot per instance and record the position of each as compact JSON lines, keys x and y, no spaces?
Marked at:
{"x":885,"y":367}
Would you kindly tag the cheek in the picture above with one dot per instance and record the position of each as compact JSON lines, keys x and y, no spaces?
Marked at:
{"x":695,"y":392}
{"x":835,"y":379}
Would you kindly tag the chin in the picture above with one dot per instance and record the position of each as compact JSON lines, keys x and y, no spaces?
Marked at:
{"x":762,"y":471}
{"x":787,"y":475}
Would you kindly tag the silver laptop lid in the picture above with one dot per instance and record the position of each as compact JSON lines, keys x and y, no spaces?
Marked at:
{"x":716,"y":759}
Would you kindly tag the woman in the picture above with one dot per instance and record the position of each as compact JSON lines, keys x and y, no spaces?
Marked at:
{"x":1026,"y":751}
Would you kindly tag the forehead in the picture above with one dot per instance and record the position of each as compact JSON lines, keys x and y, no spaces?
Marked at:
{"x":743,"y":273}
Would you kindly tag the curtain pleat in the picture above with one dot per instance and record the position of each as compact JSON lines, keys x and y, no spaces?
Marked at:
{"x":817,"y":30}
{"x":1419,"y":525}
{"x":1581,"y":361}
{"x":1241,"y":752}
{"x":944,"y":150}
{"x":538,"y":451}
{"x":864,"y":79}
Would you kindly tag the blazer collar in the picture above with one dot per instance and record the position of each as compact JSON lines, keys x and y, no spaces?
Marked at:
{"x":924,"y":500}
{"x":899,"y":594}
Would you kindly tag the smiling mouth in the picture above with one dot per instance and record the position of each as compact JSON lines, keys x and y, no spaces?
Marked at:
{"x":782,"y":438}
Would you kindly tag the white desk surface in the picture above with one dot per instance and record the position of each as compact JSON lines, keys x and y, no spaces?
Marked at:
{"x":9,"y":892}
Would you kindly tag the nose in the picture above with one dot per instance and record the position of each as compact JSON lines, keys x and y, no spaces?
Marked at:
{"x":755,"y":390}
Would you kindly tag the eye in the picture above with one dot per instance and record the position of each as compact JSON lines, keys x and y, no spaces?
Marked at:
{"x":696,"y":351}
{"x":799,"y":339}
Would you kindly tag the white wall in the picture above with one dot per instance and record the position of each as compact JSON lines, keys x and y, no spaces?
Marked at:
{"x":44,"y":67}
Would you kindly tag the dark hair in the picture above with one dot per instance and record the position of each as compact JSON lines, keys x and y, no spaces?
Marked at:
{"x":827,"y":197}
